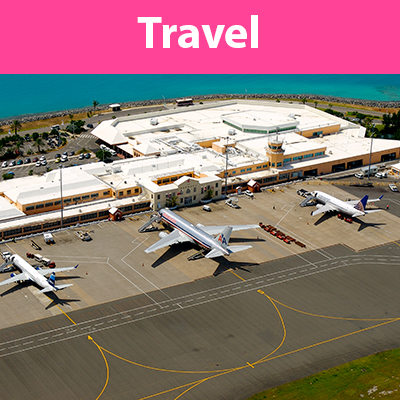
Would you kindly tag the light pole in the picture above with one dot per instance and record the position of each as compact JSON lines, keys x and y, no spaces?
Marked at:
{"x":370,"y":150}
{"x":62,"y":202}
{"x":226,"y":167}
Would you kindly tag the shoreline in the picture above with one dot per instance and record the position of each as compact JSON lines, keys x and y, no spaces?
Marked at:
{"x":24,"y":118}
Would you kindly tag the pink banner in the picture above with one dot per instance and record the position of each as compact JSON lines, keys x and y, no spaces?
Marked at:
{"x":200,"y":37}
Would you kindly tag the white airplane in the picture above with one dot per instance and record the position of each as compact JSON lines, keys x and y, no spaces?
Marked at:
{"x":184,"y":231}
{"x":28,"y":273}
{"x":353,"y":208}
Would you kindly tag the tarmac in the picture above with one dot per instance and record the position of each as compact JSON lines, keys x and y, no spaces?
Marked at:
{"x":137,"y":325}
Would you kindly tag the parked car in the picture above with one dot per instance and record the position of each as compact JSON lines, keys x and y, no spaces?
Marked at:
{"x":42,"y":158}
{"x":4,"y":164}
{"x":81,"y":156}
{"x":35,"y":159}
{"x":248,"y":193}
{"x":89,"y":126}
{"x":44,"y":162}
{"x":27,"y":160}
{"x":20,"y":162}
{"x":58,"y":160}
{"x":57,"y":156}
{"x":38,"y":163}
{"x":381,"y":175}
{"x":12,"y":163}
{"x":393,"y":187}
{"x":87,"y":155}
{"x":359,"y":175}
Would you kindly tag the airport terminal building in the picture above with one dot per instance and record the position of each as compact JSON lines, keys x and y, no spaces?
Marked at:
{"x":187,"y":156}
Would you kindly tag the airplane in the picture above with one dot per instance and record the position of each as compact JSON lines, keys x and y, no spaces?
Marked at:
{"x":184,"y":231}
{"x":28,"y":273}
{"x":353,"y":208}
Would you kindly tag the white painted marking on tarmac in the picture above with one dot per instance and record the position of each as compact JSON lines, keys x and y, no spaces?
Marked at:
{"x":224,"y":291}
{"x":304,"y":270}
{"x":43,"y":338}
{"x":187,"y":301}
{"x":60,"y":334}
{"x":127,"y":316}
{"x":259,"y":282}
{"x":26,"y":343}
{"x":249,"y":284}
{"x":213,"y":294}
{"x":140,"y":313}
{"x":393,"y":260}
{"x":100,"y":323}
{"x":292,"y":273}
{"x":113,"y":320}
{"x":202,"y":297}
{"x":282,"y":276}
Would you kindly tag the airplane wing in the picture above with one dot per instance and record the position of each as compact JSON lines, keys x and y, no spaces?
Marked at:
{"x":15,"y":278}
{"x":49,"y":271}
{"x":174,"y":237}
{"x":325,"y":208}
{"x":215,"y":230}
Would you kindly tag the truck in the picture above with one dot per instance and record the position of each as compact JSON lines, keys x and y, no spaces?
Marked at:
{"x":373,"y":169}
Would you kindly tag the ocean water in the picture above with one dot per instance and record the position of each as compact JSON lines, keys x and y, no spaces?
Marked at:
{"x":29,"y":94}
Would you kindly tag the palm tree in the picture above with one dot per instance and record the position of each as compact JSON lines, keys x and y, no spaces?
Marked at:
{"x":95,"y":104}
{"x":15,"y":125}
{"x":304,"y":100}
{"x":330,"y":105}
{"x":38,"y":143}
{"x":316,"y":103}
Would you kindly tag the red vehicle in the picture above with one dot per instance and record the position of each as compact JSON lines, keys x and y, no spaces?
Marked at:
{"x":29,"y":255}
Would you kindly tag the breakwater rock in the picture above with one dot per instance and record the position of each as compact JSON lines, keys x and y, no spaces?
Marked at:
{"x":268,"y":96}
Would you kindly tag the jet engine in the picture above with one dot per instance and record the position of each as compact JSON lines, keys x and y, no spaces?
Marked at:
{"x":162,"y":235}
{"x":319,"y":205}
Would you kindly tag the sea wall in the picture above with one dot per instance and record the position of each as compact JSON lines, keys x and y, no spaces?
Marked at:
{"x":273,"y":96}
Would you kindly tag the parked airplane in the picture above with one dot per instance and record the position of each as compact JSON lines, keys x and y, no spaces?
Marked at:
{"x":353,"y":208}
{"x":184,"y":231}
{"x":29,"y":273}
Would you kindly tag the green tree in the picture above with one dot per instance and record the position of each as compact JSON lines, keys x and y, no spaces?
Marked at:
{"x":103,"y":155}
{"x":330,"y":105}
{"x":45,"y":135}
{"x":15,"y":125}
{"x":316,"y":103}
{"x":95,"y":104}
{"x":35,"y":136}
{"x":172,"y":201}
{"x":304,"y":100}
{"x":38,"y":143}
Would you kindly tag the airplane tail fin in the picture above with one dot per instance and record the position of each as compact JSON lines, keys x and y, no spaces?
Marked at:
{"x":224,"y":237}
{"x":360,"y":206}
